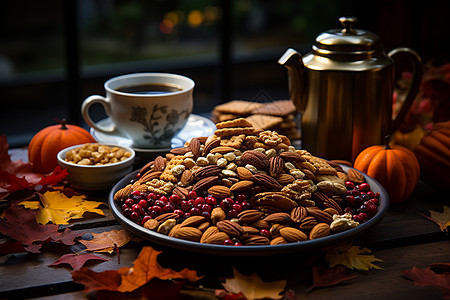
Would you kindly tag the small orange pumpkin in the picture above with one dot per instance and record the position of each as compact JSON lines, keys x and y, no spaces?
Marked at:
{"x":394,"y":167}
{"x":433,"y":154}
{"x":45,"y":145}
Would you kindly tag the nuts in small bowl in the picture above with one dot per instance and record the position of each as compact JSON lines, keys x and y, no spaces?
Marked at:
{"x":96,"y":166}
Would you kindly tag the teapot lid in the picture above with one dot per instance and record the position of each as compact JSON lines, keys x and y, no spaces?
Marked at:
{"x":347,"y":39}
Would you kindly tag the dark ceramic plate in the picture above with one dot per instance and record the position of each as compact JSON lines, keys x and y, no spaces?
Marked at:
{"x":222,"y":250}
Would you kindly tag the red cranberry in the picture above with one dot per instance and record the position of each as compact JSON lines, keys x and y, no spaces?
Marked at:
{"x":246,"y":205}
{"x":187,"y":215}
{"x":135,"y":217}
{"x":232,"y":213}
{"x":179,"y":212}
{"x":152,"y":196}
{"x":206,"y":207}
{"x":207,"y":215}
{"x":265,"y":232}
{"x":156,"y":208}
{"x":373,"y":201}
{"x":129,"y":202}
{"x":364,"y":187}
{"x":175,"y":199}
{"x":136,"y":193}
{"x":127,"y":212}
{"x":145,"y":219}
{"x":241,"y":197}
{"x":143,"y":203}
{"x":124,"y":206}
{"x":160,"y":203}
{"x":350,"y":200}
{"x":163,"y":199}
{"x":168,"y":208}
{"x":237,"y":207}
{"x":192,"y":195}
{"x":238,"y":244}
{"x":371,"y":194}
{"x":348,"y":210}
{"x":195,"y":211}
{"x":357,"y":218}
{"x":228,"y":242}
{"x":349,"y":185}
{"x":191,"y":202}
{"x":371,"y":209}
{"x":153,"y":214}
{"x":211,"y":200}
{"x":363,"y":216}
{"x":185,"y":205}
{"x":199,"y":200}
{"x":226,"y":204}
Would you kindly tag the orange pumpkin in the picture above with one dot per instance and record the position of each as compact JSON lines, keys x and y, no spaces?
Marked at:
{"x":433,"y":154}
{"x":394,"y":167}
{"x":46,"y":144}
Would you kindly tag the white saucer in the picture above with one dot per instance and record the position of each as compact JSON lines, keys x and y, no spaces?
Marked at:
{"x":196,"y":126}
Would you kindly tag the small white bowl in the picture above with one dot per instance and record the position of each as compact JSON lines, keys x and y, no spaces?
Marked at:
{"x":96,"y":177}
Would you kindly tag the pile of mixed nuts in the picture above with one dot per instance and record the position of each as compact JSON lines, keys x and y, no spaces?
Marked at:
{"x":242,"y":186}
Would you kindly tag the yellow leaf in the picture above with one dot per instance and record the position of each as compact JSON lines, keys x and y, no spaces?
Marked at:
{"x":107,"y":241}
{"x":57,"y":208}
{"x":252,"y":287}
{"x":353,"y":257}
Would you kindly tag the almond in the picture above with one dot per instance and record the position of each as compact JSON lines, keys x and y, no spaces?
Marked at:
{"x":250,"y":230}
{"x":210,"y":144}
{"x":249,"y":216}
{"x":320,"y":230}
{"x":255,"y":158}
{"x":292,"y":156}
{"x":159,"y":163}
{"x":204,"y":225}
{"x":152,"y":224}
{"x":186,"y":178}
{"x":280,"y":217}
{"x":275,"y":230}
{"x":180,"y":150}
{"x":188,"y":233}
{"x":173,"y":230}
{"x":146,"y":167}
{"x":219,"y":191}
{"x":216,"y":238}
{"x":308,"y":223}
{"x":292,"y":234}
{"x":285,"y":179}
{"x":241,"y":186}
{"x":275,"y":166}
{"x":195,"y":147}
{"x":192,"y":221}
{"x":205,"y":183}
{"x":331,"y":211}
{"x":222,"y":149}
{"x":208,"y":232}
{"x":244,"y":173}
{"x":279,"y":240}
{"x":163,"y":217}
{"x":181,"y":192}
{"x":148,"y":176}
{"x":355,"y":176}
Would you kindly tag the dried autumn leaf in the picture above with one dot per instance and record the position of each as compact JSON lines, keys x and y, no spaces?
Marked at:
{"x":252,"y":287}
{"x":146,"y":267}
{"x":323,"y":276}
{"x":353,"y":257}
{"x":441,"y":219}
{"x":19,"y":175}
{"x":55,"y":207}
{"x":428,"y":277}
{"x":108,"y":280}
{"x":107,"y":241}
{"x":20,"y":224}
{"x":76,"y":261}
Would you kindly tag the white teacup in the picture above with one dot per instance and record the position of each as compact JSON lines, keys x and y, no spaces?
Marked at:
{"x":148,"y":108}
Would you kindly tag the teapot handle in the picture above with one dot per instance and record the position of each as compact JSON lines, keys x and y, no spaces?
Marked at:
{"x":406,"y":57}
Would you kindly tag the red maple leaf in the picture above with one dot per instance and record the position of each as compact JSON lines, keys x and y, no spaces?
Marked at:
{"x":18,"y":175}
{"x":76,"y":261}
{"x":436,"y":275}
{"x":20,"y":224}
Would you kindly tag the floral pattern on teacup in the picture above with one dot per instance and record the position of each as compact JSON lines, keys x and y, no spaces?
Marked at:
{"x":155,"y":134}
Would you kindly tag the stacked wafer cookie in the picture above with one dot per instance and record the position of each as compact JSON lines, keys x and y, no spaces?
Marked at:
{"x":279,"y":115}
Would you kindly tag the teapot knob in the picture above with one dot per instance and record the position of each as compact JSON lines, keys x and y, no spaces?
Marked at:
{"x":348,"y":23}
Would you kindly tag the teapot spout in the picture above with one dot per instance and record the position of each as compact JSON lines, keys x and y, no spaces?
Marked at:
{"x":292,"y":60}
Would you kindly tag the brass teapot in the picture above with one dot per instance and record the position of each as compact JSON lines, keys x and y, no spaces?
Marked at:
{"x":344,"y":88}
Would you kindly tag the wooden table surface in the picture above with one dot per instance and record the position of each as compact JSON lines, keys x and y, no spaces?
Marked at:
{"x":403,"y":239}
